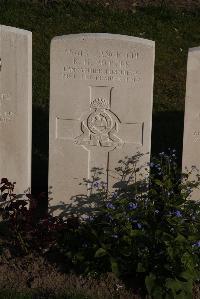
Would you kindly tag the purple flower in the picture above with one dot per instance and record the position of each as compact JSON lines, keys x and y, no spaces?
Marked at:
{"x":110,"y":206}
{"x":132,"y":206}
{"x":139,"y":225}
{"x":178,"y":214}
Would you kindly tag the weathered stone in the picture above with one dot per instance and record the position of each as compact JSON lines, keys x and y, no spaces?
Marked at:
{"x":191,"y":140}
{"x":101,"y":94}
{"x":16,"y":106}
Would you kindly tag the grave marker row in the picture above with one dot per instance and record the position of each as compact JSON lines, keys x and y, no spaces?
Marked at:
{"x":101,"y":97}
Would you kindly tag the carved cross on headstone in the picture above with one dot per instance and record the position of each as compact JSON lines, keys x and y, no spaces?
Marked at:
{"x":101,"y":130}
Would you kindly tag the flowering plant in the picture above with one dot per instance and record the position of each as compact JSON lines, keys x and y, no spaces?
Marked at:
{"x":146,"y":231}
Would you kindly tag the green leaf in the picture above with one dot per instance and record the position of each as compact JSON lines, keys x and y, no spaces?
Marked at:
{"x":186,"y":275}
{"x":79,"y":256}
{"x":158,"y":182}
{"x":140,"y":268}
{"x":135,"y":233}
{"x":114,"y":266}
{"x":150,"y":282}
{"x":180,"y":238}
{"x":157,"y":293}
{"x":174,"y":285}
{"x":100,"y":252}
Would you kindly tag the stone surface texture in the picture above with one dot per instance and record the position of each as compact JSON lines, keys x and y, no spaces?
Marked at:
{"x":16,"y":106}
{"x":191,"y":140}
{"x":101,"y":94}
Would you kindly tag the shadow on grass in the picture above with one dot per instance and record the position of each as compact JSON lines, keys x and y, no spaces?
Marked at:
{"x":40,"y":150}
{"x":167,"y":132}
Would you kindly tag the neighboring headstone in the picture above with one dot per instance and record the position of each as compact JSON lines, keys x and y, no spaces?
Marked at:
{"x":16,"y":106}
{"x":191,"y":140}
{"x":101,"y":95}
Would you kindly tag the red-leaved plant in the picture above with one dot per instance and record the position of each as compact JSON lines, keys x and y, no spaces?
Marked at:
{"x":29,"y":230}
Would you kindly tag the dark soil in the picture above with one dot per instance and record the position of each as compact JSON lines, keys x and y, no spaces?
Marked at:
{"x":132,"y":4}
{"x":34,"y":274}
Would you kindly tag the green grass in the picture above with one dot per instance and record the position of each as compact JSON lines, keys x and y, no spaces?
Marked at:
{"x":173,"y":31}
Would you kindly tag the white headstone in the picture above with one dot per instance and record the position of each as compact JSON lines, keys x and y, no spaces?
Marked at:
{"x":191,"y":140}
{"x":16,"y":106}
{"x":101,"y":94}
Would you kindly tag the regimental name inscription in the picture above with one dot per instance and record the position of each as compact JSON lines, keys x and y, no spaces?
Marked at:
{"x":103,"y":65}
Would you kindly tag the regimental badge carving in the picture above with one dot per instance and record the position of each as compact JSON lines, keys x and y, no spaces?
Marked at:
{"x":100,"y":127}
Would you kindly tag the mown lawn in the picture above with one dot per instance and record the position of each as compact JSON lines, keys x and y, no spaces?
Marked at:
{"x":173,"y":31}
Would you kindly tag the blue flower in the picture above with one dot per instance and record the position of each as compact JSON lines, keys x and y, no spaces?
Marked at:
{"x":109,"y":217}
{"x":197,"y":244}
{"x":178,"y":214}
{"x":110,"y":206}
{"x":114,"y":194}
{"x":132,"y":219}
{"x":85,"y":245}
{"x":85,"y":217}
{"x":161,"y":154}
{"x":139,"y":225}
{"x":96,"y":184}
{"x":158,"y":166}
{"x":132,"y":206}
{"x":114,"y":236}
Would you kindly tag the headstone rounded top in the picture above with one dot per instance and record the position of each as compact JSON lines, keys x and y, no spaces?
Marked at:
{"x":195,"y":49}
{"x":83,"y":36}
{"x":15,"y":30}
